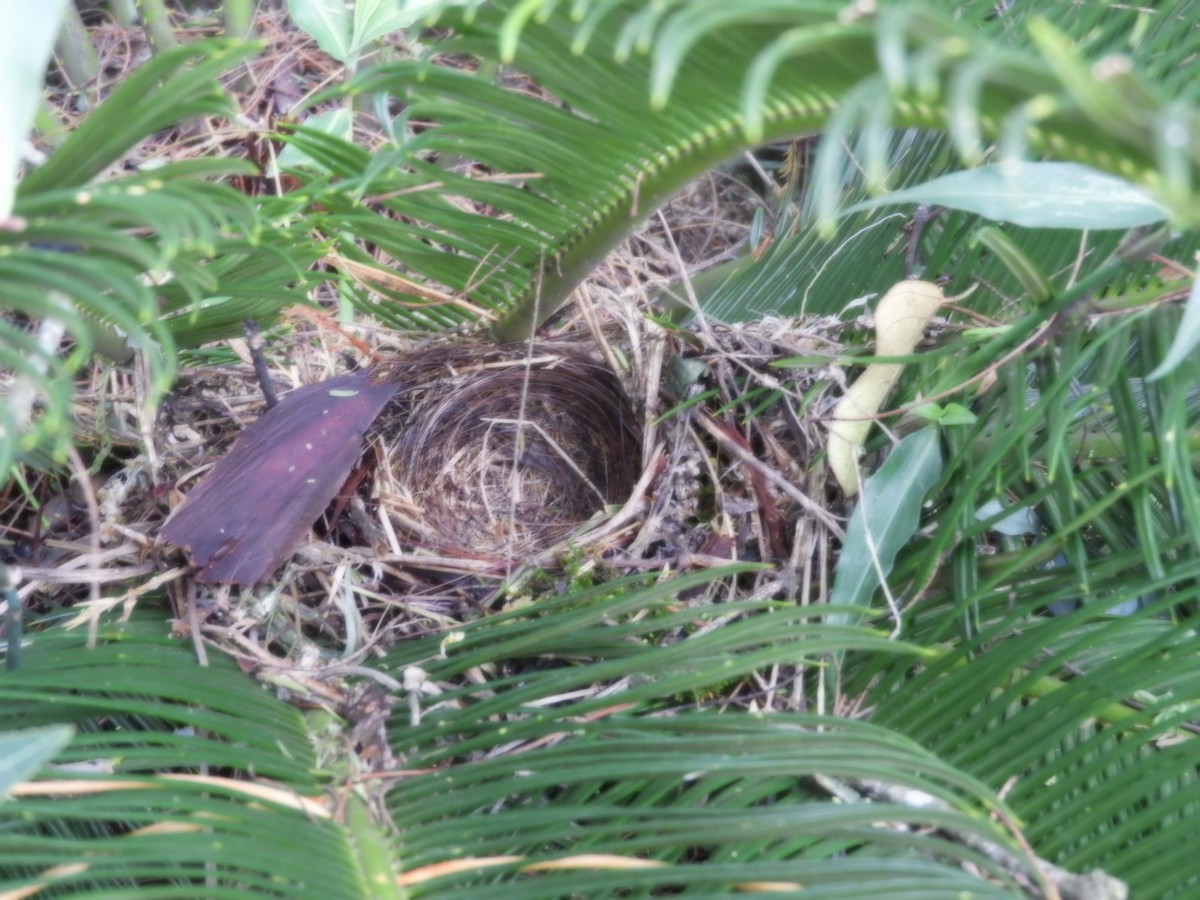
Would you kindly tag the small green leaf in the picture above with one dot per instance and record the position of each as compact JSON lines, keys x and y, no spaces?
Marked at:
{"x":885,"y":519}
{"x":950,"y":414}
{"x":343,"y":29}
{"x":1186,"y":338}
{"x":23,"y":753}
{"x":1035,"y":195}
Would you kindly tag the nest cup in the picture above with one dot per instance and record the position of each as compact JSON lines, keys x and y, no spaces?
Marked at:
{"x":504,"y":452}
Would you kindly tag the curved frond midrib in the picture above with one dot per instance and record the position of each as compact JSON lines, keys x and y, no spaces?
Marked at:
{"x":607,"y":157}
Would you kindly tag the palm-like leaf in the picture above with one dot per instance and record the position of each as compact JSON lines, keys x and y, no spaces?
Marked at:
{"x":94,"y":244}
{"x":654,"y":98}
{"x":1012,"y":688}
{"x":597,"y":778}
{"x":628,"y":786}
{"x":165,"y":729}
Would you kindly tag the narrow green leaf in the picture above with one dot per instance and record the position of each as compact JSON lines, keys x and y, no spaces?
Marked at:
{"x":510,"y":32}
{"x":885,"y":518}
{"x":170,"y":88}
{"x":1023,"y":269}
{"x":23,"y":753}
{"x":950,"y":414}
{"x":1096,"y":95}
{"x":787,"y":47}
{"x":1036,"y":195}
{"x":1186,"y":338}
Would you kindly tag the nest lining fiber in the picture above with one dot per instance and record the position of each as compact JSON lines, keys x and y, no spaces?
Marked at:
{"x":499,"y":453}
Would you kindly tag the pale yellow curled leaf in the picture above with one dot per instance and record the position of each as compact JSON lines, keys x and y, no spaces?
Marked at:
{"x":901,"y":318}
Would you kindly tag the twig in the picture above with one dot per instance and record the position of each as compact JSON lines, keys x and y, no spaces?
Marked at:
{"x":254,"y":341}
{"x":83,"y":477}
{"x":194,"y":625}
{"x":819,"y":512}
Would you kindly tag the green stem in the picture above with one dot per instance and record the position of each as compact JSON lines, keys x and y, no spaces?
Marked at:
{"x":124,"y":12}
{"x":156,"y":19}
{"x":76,"y":55}
{"x":239,"y":18}
{"x":372,"y":852}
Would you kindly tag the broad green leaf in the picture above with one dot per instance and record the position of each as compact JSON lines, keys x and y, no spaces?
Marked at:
{"x":1186,"y":338}
{"x":886,"y":518}
{"x":1036,"y":195}
{"x":330,"y":22}
{"x":27,"y":33}
{"x":23,"y":753}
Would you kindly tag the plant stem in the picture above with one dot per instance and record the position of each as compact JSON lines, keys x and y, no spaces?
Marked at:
{"x":124,"y":12}
{"x":239,"y":18}
{"x":76,"y":55}
{"x":157,"y":22}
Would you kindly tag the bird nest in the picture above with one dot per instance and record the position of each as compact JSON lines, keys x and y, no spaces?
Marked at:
{"x":490,"y":469}
{"x":498,"y":453}
{"x":490,"y":476}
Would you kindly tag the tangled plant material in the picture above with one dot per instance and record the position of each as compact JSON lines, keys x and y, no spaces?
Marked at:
{"x":497,"y":453}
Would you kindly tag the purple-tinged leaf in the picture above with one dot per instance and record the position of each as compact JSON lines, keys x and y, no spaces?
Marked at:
{"x":249,"y":513}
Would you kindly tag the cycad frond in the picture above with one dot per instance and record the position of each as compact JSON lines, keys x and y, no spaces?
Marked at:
{"x":603,"y":772}
{"x":141,"y":796}
{"x":94,"y":245}
{"x":654,"y":96}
